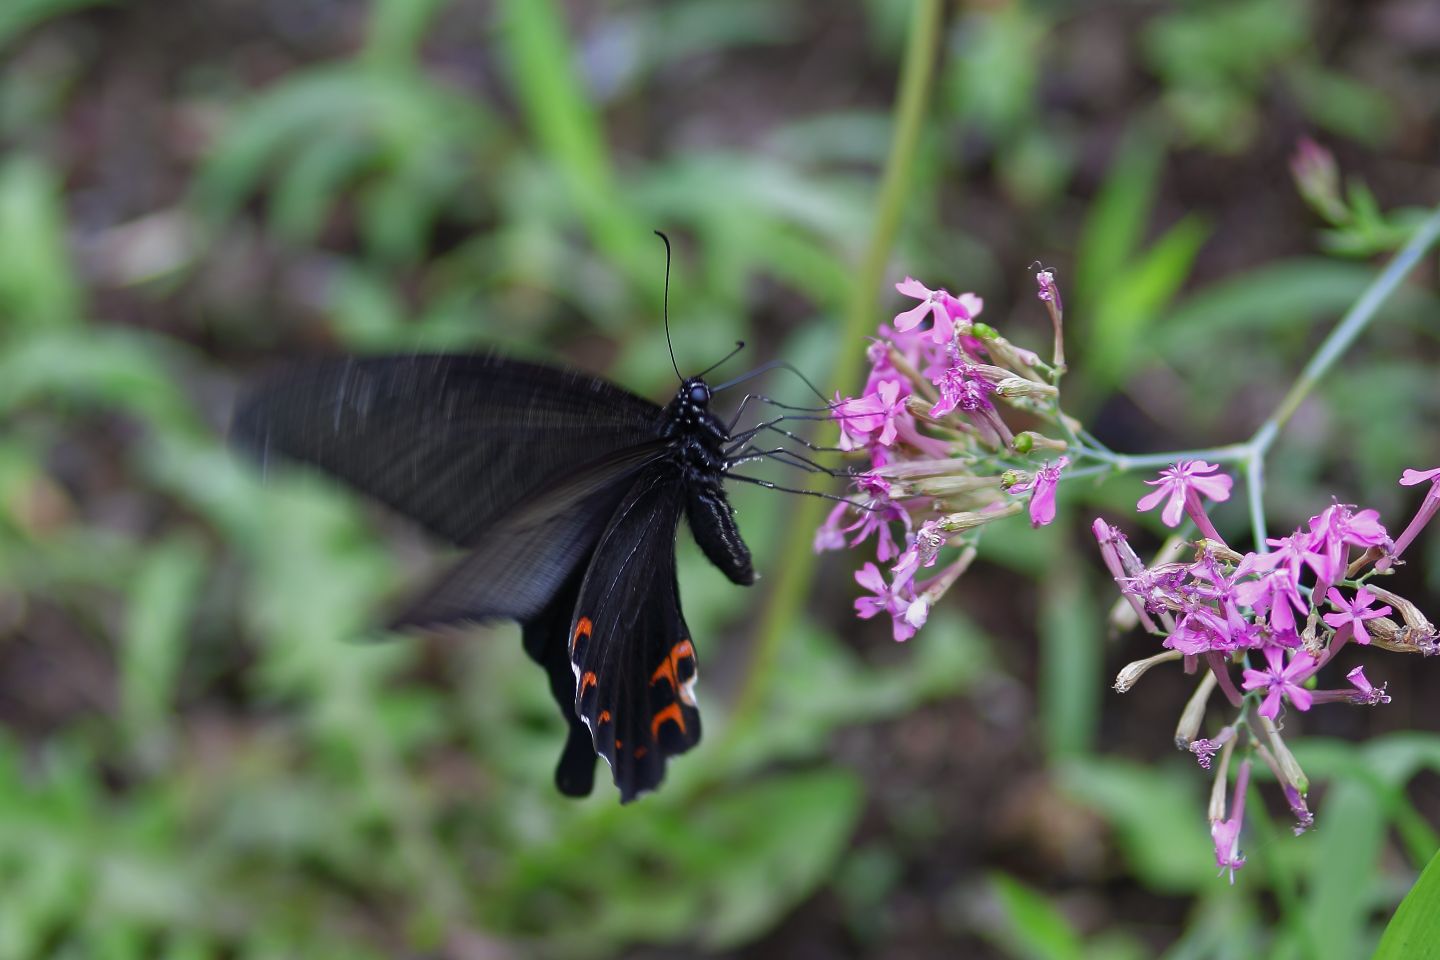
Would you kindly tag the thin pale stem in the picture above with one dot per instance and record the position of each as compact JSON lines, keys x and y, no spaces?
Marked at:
{"x":796,"y":559}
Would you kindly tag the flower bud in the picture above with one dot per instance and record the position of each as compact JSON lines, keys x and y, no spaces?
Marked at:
{"x":1133,"y":671}
{"x":1038,"y":441}
{"x":1317,"y":177}
{"x":1029,"y":389}
{"x":1289,"y":767}
{"x":970,"y":519}
{"x":1194,"y":712}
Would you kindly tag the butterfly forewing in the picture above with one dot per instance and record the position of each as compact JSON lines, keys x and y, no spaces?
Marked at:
{"x":453,"y":442}
{"x":632,"y":654}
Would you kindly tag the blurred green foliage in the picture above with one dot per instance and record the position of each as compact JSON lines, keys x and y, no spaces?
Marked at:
{"x":254,"y":782}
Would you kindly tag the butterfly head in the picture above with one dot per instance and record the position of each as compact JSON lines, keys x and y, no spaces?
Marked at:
{"x":694,"y":395}
{"x":689,"y":418}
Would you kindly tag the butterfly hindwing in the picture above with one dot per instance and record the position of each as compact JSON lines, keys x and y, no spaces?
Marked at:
{"x":633,"y":659}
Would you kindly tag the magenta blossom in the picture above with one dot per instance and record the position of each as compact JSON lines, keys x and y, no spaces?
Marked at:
{"x":1226,"y":833}
{"x":1353,"y":613}
{"x":1412,"y":478}
{"x":894,"y":599}
{"x":1282,"y":679}
{"x":1042,"y":491}
{"x":1367,"y":693}
{"x":943,"y":306}
{"x":1184,"y":484}
{"x":1428,"y":508}
{"x":1337,"y":529}
{"x":873,"y":418}
{"x":922,"y":552}
{"x":876,"y":512}
{"x":960,"y":386}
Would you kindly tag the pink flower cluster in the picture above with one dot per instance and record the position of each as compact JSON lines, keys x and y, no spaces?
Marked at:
{"x":1281,"y":616}
{"x":941,"y":459}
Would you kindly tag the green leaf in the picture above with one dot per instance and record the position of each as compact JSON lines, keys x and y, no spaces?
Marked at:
{"x":1348,"y":840}
{"x":783,"y":837}
{"x":1158,"y":820}
{"x":1033,"y":927}
{"x":1117,"y":218}
{"x":570,"y":133}
{"x":1135,"y":299}
{"x":161,"y":600}
{"x":1071,"y":658}
{"x":38,"y":286}
{"x":1414,"y":932}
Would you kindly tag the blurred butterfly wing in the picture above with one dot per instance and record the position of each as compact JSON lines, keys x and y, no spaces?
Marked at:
{"x":519,"y":563}
{"x":634,"y":665}
{"x":453,"y":442}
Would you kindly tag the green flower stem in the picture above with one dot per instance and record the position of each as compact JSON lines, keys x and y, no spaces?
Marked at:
{"x":796,"y":559}
{"x":1251,"y":454}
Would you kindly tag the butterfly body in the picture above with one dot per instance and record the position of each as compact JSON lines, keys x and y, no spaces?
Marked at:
{"x":567,"y":493}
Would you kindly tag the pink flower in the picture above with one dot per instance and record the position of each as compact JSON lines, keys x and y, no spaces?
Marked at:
{"x":1276,"y":593}
{"x":872,"y":418}
{"x":1353,"y":614}
{"x":960,"y":386}
{"x":1333,"y":532}
{"x":1226,"y":833}
{"x":1412,"y":478}
{"x":887,"y":598}
{"x":1281,"y":679}
{"x":1205,"y":751}
{"x":1043,"y":484}
{"x":1367,"y":694}
{"x":1428,"y":508}
{"x":1304,"y":819}
{"x":1049,"y":292}
{"x":1184,"y":484}
{"x":876,"y":512}
{"x":1291,"y":553}
{"x":922,"y":552}
{"x":944,"y":307}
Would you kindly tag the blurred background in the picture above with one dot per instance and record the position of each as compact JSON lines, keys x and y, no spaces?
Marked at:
{"x":199,"y":760}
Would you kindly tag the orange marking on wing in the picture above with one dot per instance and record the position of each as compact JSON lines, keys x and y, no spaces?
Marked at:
{"x":669,"y":667}
{"x":582,"y":629}
{"x":604,"y":717}
{"x":671,"y":712}
{"x":587,"y":679}
{"x":639,"y":752}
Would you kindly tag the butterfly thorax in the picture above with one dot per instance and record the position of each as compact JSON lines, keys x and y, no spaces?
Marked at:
{"x":698,"y":439}
{"x":698,"y":436}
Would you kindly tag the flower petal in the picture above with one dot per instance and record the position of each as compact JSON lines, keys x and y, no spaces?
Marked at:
{"x":913,"y":288}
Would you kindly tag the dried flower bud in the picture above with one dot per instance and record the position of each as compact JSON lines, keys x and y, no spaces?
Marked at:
{"x":1408,"y":611}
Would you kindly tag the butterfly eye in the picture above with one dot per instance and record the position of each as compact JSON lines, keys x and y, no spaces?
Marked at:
{"x":700,"y":394}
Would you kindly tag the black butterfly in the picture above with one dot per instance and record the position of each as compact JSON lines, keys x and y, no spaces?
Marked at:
{"x":567,"y":492}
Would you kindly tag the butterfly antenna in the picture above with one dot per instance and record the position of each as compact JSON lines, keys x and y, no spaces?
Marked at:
{"x":666,"y":308}
{"x":739,"y":345}
{"x":766,"y":368}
